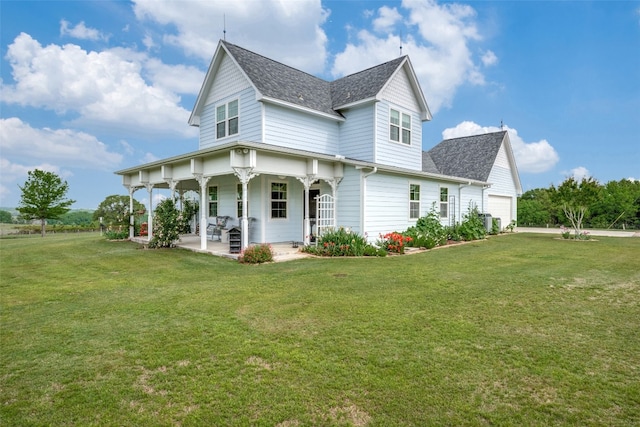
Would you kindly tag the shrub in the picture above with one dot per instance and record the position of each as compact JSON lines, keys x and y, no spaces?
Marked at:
{"x":116,"y":234}
{"x":472,"y":228}
{"x":166,"y":225}
{"x":257,"y":254}
{"x":428,"y":231}
{"x":342,"y":242}
{"x":495,"y":229}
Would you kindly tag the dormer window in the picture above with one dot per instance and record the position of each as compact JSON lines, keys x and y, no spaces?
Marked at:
{"x":399,"y":127}
{"x":227,"y":119}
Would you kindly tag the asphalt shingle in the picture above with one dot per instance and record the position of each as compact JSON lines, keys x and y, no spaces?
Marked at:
{"x":278,"y":81}
{"x":470,"y":157}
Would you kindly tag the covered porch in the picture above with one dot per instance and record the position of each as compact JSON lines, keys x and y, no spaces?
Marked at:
{"x":285,"y":251}
{"x":267,"y":192}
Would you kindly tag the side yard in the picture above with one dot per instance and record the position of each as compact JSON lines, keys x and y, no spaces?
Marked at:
{"x":518,"y":329}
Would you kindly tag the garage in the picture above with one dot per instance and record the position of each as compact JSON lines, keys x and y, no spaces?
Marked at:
{"x":500,"y":207}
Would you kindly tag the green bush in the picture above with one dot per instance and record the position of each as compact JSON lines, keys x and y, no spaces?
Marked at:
{"x":428,"y":231}
{"x":472,"y":228}
{"x":116,"y":234}
{"x":495,"y":228}
{"x":342,"y":242}
{"x":257,"y":254}
{"x":166,"y":225}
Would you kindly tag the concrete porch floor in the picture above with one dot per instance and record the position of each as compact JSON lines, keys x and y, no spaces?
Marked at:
{"x":281,"y":251}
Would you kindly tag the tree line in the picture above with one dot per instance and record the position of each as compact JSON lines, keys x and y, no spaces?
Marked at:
{"x":615,"y":204}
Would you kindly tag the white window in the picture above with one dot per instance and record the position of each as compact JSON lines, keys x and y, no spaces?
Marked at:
{"x":414,"y":201}
{"x":213,"y":200}
{"x":278,"y":200}
{"x":239,"y":200}
{"x":227,"y":119}
{"x":399,"y":127}
{"x":444,"y":202}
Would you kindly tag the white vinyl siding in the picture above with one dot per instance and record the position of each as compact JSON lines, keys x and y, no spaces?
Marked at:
{"x":349,"y":200}
{"x":393,"y":153}
{"x":295,"y":129}
{"x":229,"y":81}
{"x":502,"y":186}
{"x":400,"y":92}
{"x":249,"y":120}
{"x":357,"y":133}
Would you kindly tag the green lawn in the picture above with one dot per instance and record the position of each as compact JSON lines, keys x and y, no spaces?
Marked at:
{"x":520,"y":329}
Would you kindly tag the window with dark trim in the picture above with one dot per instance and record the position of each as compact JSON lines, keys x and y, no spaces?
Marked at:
{"x":278,"y":200}
{"x":213,"y":200}
{"x":239,"y":199}
{"x":444,"y":202}
{"x":399,"y":127}
{"x":414,"y":201}
{"x":227,"y":119}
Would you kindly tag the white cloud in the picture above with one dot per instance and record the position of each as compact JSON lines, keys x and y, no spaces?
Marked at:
{"x":174,"y":78}
{"x":439,"y":48}
{"x":489,"y":58}
{"x":531,"y":157}
{"x":63,"y":147}
{"x":81,"y":31}
{"x":102,"y":87}
{"x":387,"y":19}
{"x":264,"y":26}
{"x":578,"y":173}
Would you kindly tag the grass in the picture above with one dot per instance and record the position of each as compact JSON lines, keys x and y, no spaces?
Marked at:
{"x":520,"y":329}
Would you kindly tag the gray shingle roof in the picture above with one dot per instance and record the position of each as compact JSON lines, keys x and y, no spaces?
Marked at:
{"x":470,"y":157}
{"x":363,"y":84}
{"x":278,"y":81}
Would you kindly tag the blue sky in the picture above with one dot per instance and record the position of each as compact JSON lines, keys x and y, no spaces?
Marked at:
{"x":90,"y":87}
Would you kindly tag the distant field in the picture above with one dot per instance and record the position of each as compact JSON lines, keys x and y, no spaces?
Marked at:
{"x":521,"y":329}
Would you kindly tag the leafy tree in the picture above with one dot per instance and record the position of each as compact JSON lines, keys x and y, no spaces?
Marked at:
{"x":619,"y":204}
{"x":535,"y":207}
{"x":44,"y":197}
{"x":576,"y":198}
{"x":77,"y":218}
{"x":114,"y":210}
{"x":5,"y":217}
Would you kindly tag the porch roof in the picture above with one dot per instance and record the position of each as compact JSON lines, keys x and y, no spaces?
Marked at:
{"x":267,"y":148}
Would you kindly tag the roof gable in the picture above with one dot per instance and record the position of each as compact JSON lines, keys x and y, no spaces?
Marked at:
{"x":469,"y":157}
{"x":279,"y":83}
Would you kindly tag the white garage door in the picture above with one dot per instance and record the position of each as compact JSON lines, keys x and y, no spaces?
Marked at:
{"x":500,"y":207}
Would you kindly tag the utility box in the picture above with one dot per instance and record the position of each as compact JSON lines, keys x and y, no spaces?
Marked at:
{"x":235,"y":240}
{"x":487,"y":221}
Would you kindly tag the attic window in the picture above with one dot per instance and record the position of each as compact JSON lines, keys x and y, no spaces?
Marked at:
{"x":227,"y":119}
{"x":399,"y":127}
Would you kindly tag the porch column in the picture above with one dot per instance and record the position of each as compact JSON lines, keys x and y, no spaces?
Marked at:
{"x":131,"y":216}
{"x":172,"y":186}
{"x":203,"y":181}
{"x":244,"y":175}
{"x":149,"y":188}
{"x":307,"y":181}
